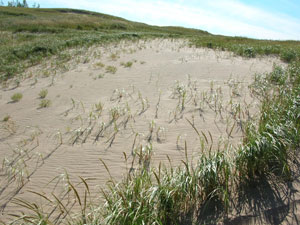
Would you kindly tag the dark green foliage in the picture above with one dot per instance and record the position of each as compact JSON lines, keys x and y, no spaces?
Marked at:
{"x":28,"y":35}
{"x":17,"y":3}
{"x":289,"y":55}
{"x":287,"y":50}
{"x":267,"y":148}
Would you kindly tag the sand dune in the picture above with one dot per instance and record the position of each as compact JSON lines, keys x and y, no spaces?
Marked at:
{"x":127,"y":96}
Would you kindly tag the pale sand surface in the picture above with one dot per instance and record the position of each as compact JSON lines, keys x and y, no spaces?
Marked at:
{"x":206,"y":75}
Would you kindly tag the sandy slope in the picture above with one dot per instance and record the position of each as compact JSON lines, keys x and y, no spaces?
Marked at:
{"x":211,"y":80}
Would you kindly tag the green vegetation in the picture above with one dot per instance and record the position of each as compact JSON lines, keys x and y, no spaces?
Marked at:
{"x":268,"y":147}
{"x":164,"y":195}
{"x":45,"y":103}
{"x":6,"y":118}
{"x":111,"y":69}
{"x":16,"y":97}
{"x":171,"y":195}
{"x":127,"y":65}
{"x":29,"y":35}
{"x":288,"y":51}
{"x":43,"y":93}
{"x":178,"y":195}
{"x":99,"y":64}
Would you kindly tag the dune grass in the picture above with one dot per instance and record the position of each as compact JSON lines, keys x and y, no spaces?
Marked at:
{"x":167,"y":194}
{"x":288,"y":51}
{"x":176,"y":195}
{"x":29,"y":35}
{"x":16,"y":97}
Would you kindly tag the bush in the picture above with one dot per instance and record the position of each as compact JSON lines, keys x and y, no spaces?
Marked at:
{"x":288,"y":55}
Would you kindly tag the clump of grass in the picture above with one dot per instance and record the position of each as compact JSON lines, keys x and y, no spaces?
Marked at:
{"x":45,"y":103}
{"x":267,"y":148}
{"x":43,"y":93}
{"x":16,"y":97}
{"x":164,"y":194}
{"x":99,"y":107}
{"x":127,"y":65}
{"x":180,"y":91}
{"x":6,"y":118}
{"x":114,"y":56}
{"x":101,"y":76}
{"x":111,"y":69}
{"x":289,"y":55}
{"x":100,"y":64}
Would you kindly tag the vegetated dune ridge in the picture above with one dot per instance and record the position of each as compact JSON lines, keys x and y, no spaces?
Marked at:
{"x":120,"y":98}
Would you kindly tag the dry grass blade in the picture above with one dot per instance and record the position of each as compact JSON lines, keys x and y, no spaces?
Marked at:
{"x":76,"y":193}
{"x":65,"y":210}
{"x":41,"y":195}
{"x":206,"y":140}
{"x":104,"y":164}
{"x":85,"y":183}
{"x":193,"y":127}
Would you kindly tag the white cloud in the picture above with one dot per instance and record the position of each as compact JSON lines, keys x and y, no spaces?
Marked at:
{"x":220,"y":17}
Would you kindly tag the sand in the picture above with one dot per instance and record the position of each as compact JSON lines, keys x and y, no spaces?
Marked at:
{"x":70,"y":135}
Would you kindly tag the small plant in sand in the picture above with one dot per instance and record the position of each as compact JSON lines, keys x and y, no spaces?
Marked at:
{"x":160,"y":134}
{"x":17,"y":82}
{"x":45,"y":103}
{"x":99,"y":65}
{"x":6,"y":118}
{"x":157,"y":105}
{"x":16,"y":97}
{"x":100,"y":76}
{"x":144,"y":154}
{"x":86,"y":60}
{"x":118,"y":94}
{"x":10,"y":126}
{"x":127,"y":65}
{"x":111,"y":69}
{"x":152,"y":126}
{"x":43,"y":93}
{"x":99,"y":107}
{"x":115,"y":113}
{"x":114,"y":56}
{"x":180,"y":92}
{"x":144,"y":103}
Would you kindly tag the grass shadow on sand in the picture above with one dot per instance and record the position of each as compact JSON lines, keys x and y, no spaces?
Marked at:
{"x":263,"y":201}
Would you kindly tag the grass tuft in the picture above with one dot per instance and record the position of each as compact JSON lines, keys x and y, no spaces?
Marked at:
{"x":45,"y":103}
{"x":111,"y":69}
{"x":16,"y":97}
{"x":43,"y":93}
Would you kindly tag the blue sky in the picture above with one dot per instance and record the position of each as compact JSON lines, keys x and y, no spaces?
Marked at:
{"x":264,"y":19}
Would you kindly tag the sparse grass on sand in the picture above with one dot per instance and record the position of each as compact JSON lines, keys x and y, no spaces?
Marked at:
{"x":163,"y":194}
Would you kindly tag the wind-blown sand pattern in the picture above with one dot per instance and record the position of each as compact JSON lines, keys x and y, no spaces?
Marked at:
{"x":121,"y":98}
